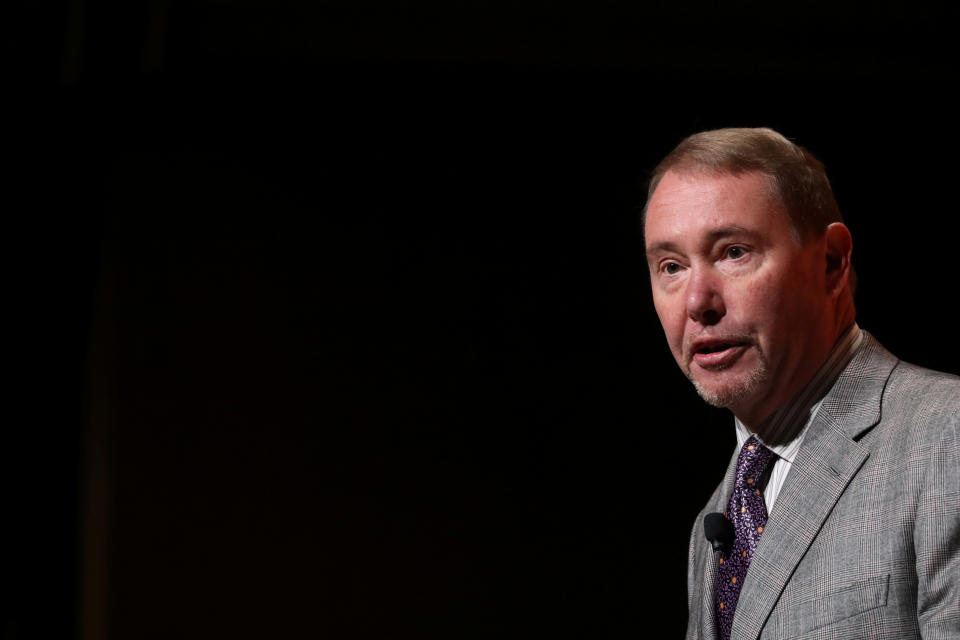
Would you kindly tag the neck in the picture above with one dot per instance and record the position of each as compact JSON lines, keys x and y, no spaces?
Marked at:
{"x":776,"y":426}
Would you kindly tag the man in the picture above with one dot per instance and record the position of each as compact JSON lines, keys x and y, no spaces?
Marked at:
{"x":843,"y":498}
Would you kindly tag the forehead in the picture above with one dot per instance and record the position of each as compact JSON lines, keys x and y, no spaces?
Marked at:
{"x":685,"y":205}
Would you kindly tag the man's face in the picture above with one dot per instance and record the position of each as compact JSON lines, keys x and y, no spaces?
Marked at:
{"x":743,"y":304}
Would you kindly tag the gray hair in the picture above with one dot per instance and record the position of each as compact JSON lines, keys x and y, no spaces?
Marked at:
{"x":796,"y":179}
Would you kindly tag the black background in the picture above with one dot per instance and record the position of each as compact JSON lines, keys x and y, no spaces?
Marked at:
{"x":331,"y":319}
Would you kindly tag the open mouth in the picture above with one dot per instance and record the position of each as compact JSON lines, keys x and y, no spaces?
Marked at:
{"x":715,"y":348}
{"x":718,"y":355}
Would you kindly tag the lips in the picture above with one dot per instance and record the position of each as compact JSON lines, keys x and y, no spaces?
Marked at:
{"x":717,"y":353}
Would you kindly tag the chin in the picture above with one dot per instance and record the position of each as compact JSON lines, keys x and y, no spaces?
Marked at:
{"x":728,"y":393}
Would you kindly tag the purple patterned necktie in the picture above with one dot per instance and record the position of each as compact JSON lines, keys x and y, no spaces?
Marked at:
{"x":748,"y":513}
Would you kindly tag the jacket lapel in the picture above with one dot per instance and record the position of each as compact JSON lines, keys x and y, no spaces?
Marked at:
{"x":824,"y":466}
{"x":708,"y":558}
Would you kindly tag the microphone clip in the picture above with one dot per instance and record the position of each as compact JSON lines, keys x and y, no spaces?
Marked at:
{"x":719,"y":532}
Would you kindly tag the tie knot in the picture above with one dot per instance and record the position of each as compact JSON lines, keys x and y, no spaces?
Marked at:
{"x":753,"y":462}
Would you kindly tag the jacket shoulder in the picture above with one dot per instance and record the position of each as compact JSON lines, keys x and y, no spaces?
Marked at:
{"x":922,"y":395}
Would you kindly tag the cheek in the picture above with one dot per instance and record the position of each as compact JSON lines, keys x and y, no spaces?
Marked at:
{"x":760,"y":302}
{"x":775,"y":307}
{"x":671,"y":318}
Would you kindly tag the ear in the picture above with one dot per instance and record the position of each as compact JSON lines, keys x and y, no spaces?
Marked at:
{"x":839,"y":247}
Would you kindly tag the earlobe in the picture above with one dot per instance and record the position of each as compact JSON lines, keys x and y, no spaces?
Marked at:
{"x":839,"y":247}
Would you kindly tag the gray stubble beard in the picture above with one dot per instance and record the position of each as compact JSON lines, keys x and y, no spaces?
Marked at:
{"x":744,"y":390}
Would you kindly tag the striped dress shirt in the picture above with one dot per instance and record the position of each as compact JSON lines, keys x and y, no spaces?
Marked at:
{"x":785,"y":429}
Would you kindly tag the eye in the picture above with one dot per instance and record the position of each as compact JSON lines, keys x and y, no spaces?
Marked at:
{"x":670,"y":268}
{"x":735,"y":252}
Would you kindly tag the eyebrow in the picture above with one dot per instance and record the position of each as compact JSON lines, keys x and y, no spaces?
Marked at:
{"x":712,"y":236}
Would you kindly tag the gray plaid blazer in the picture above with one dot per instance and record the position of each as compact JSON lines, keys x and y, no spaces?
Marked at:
{"x":864,"y":538}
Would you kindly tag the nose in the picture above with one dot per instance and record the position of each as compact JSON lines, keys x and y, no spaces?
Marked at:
{"x":704,"y":298}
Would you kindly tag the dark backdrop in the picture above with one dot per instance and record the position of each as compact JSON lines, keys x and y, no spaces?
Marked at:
{"x":331,"y":319}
